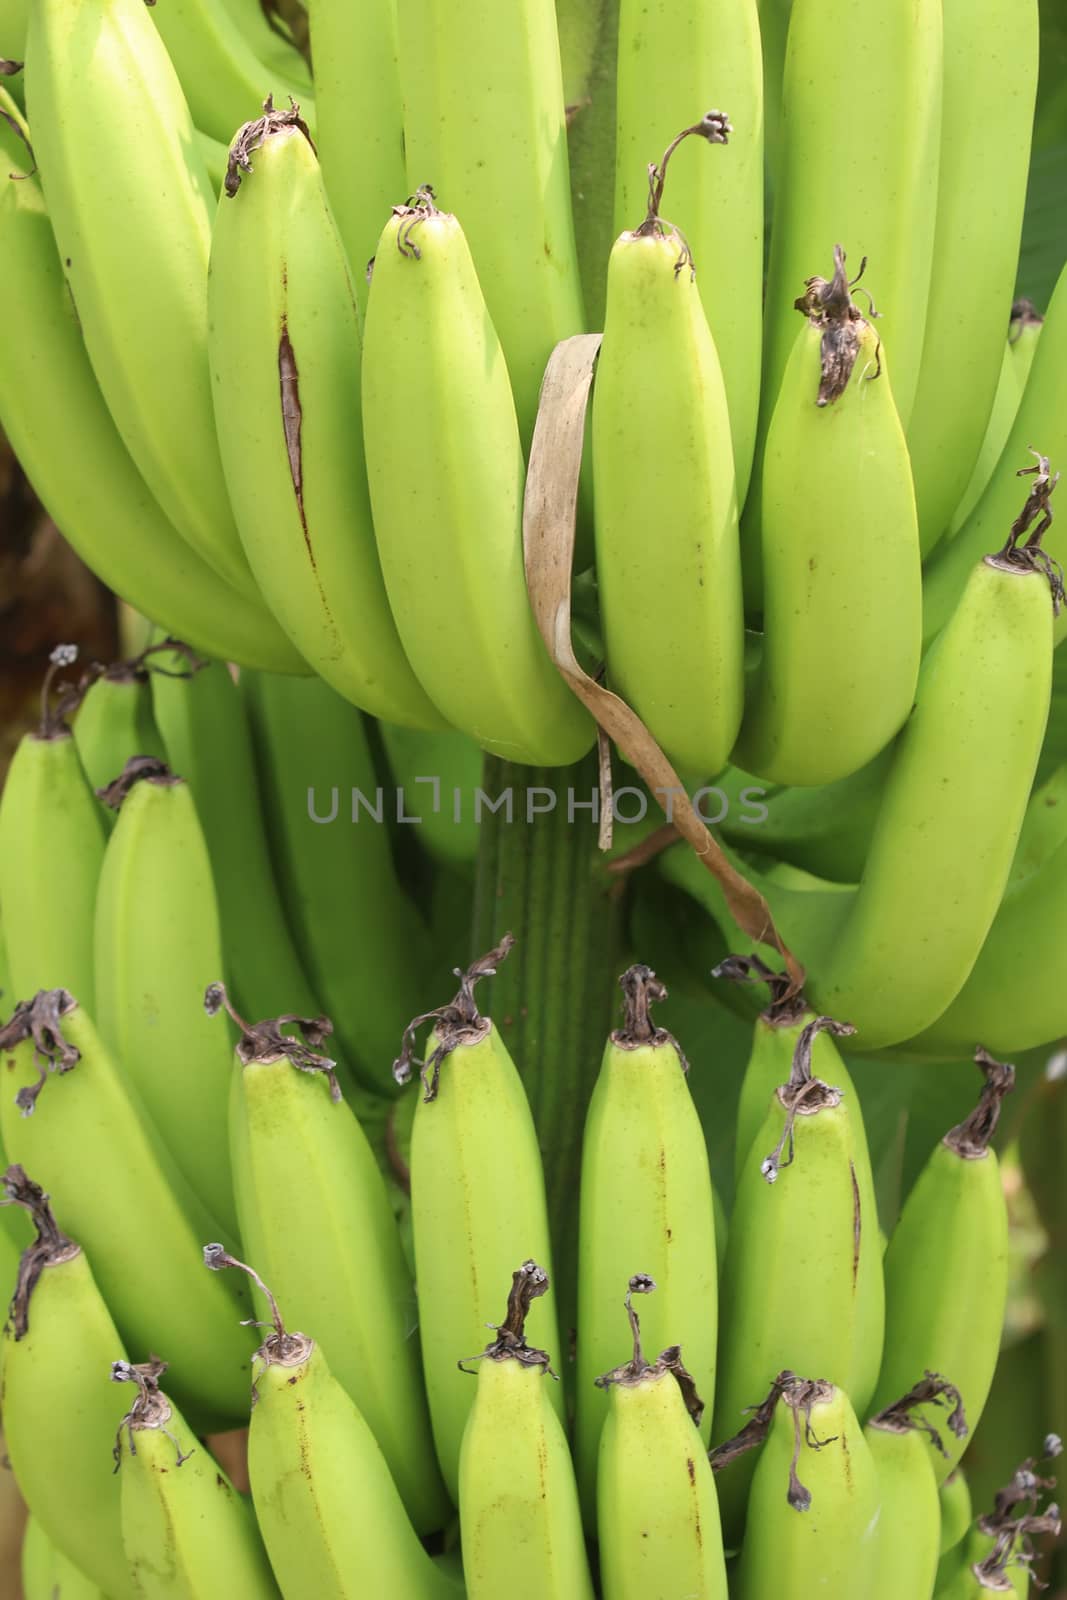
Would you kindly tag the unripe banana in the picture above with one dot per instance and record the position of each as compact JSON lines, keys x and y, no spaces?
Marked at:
{"x":187,"y":1533}
{"x":69,"y":1115}
{"x":358,"y":102}
{"x":477,"y":1196}
{"x":445,"y":468}
{"x":1005,"y":404}
{"x":114,"y":722}
{"x":208,"y":741}
{"x":909,"y":1519}
{"x":803,"y":1271}
{"x":946,"y":1265}
{"x":314,"y":1210}
{"x":981,"y":193}
{"x":518,"y":1501}
{"x":339,"y":1530}
{"x":361,"y":938}
{"x":59,"y":1419}
{"x":484,"y":123}
{"x":957,"y":1513}
{"x":670,"y":604}
{"x":842,"y":585}
{"x":91,"y":487}
{"x":283,"y":338}
{"x":450,"y":765}
{"x":51,"y":852}
{"x":645,"y":1198}
{"x":1024,"y":332}
{"x":859,"y":161}
{"x":812,"y":1523}
{"x":657,"y":1509}
{"x":131,"y":204}
{"x":47,"y":1574}
{"x":157,"y":947}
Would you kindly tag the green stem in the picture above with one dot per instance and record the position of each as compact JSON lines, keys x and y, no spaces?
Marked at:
{"x":555,"y":997}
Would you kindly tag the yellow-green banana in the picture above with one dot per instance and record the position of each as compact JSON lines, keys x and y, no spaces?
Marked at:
{"x":657,"y":1508}
{"x":842,"y":584}
{"x":672,"y":56}
{"x":1005,"y":404}
{"x":283,"y":338}
{"x":314,"y":1211}
{"x":205,"y":730}
{"x":114,"y":722}
{"x":484,"y":123}
{"x":1040,"y":425}
{"x":909,"y":1518}
{"x":270,"y":33}
{"x":51,"y":852}
{"x":803,"y":1271}
{"x":446,"y":472}
{"x":670,"y":602}
{"x":477,"y":1196}
{"x":892,"y":954}
{"x":813,"y":1511}
{"x":91,"y":487}
{"x":859,"y":162}
{"x":518,"y":1501}
{"x":436,"y":775}
{"x":957,"y":1513}
{"x":646,"y":1203}
{"x":361,"y":938}
{"x":946,"y":1266}
{"x":981,"y":192}
{"x":333,"y":1523}
{"x":222,"y":76}
{"x":187,"y":1533}
{"x":357,"y":98}
{"x":47,"y":1574}
{"x":825,"y":829}
{"x":131,"y":205}
{"x":70,"y":1116}
{"x":1024,"y":332}
{"x":157,"y":945}
{"x":59,"y":1418}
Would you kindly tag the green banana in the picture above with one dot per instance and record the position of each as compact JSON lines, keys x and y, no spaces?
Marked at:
{"x":1024,"y":332}
{"x":518,"y":1501}
{"x":803,"y":1270}
{"x":187,"y":1533}
{"x":269,"y":33}
{"x":449,"y":531}
{"x":776,"y":1033}
{"x":672,"y":56}
{"x":813,"y":1511}
{"x":283,"y":339}
{"x":670,"y":606}
{"x":59,"y":1419}
{"x":14,"y":20}
{"x":825,"y":829}
{"x":91,"y":487}
{"x":946,"y":1265}
{"x":1041,"y":423}
{"x":314,"y":1210}
{"x":157,"y":945}
{"x":451,"y":765}
{"x":206,"y":734}
{"x":957,"y":1513}
{"x":909,"y":1519}
{"x":130,"y":202}
{"x":89,"y":1138}
{"x":114,"y":722}
{"x":1005,"y":404}
{"x":223,"y":78}
{"x":46,"y":1573}
{"x":51,"y":852}
{"x":981,"y":192}
{"x":484,"y":123}
{"x":357,"y":97}
{"x":859,"y":162}
{"x":657,"y":1509}
{"x":893,"y":954}
{"x":477,"y":1195}
{"x":363,"y":942}
{"x":842,"y":584}
{"x":332,"y":1521}
{"x":645,"y":1198}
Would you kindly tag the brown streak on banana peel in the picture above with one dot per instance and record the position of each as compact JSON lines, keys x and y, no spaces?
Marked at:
{"x":828,"y":305}
{"x":292,"y":423}
{"x":548,"y":531}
